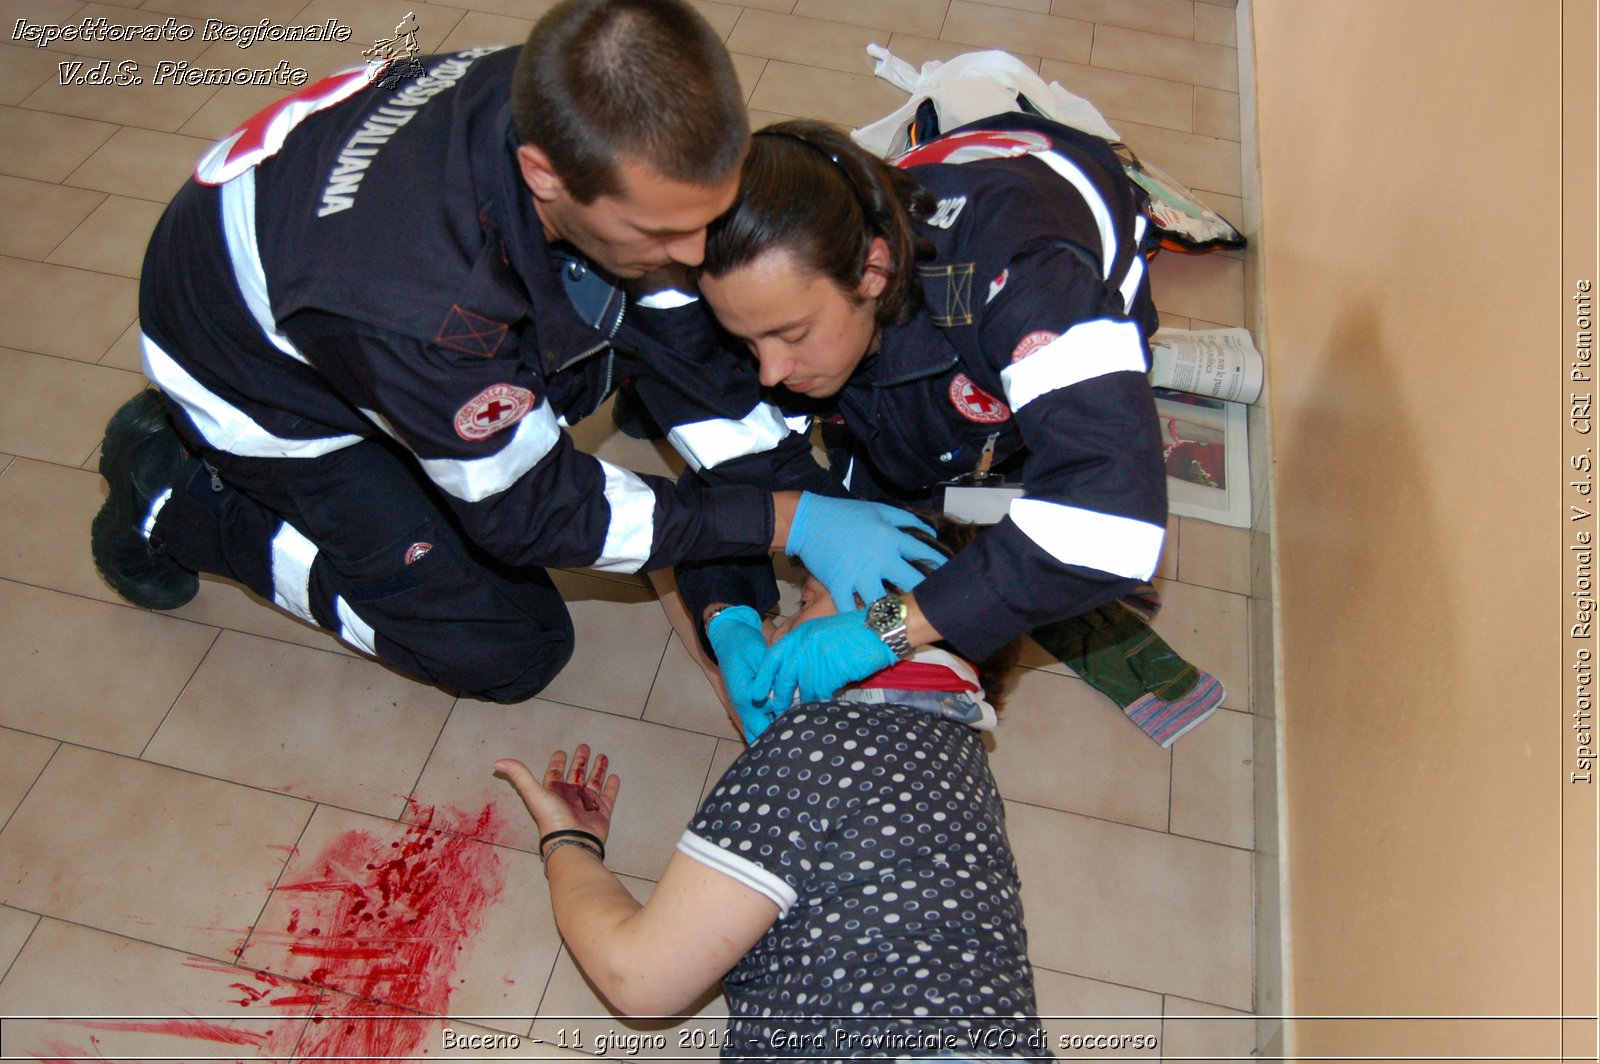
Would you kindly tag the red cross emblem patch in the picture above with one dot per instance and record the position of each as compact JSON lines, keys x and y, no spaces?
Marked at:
{"x":975,"y":404}
{"x":491,"y":410}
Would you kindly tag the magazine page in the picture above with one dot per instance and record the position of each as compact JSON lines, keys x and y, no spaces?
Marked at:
{"x":1207,"y":456}
{"x":1219,"y":363}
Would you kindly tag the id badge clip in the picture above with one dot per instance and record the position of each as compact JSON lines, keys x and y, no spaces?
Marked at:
{"x":980,"y":497}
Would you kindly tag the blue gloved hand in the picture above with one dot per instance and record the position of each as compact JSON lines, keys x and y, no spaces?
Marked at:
{"x":736,"y":638}
{"x":856,"y":547}
{"x":821,"y":656}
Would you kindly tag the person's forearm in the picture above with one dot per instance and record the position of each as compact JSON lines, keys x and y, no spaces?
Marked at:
{"x":919,"y":630}
{"x":591,"y":905}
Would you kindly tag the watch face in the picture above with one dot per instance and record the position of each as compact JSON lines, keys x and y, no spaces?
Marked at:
{"x":886,"y":613}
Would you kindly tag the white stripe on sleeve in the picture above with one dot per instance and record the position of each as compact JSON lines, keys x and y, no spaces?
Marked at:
{"x":239,"y":231}
{"x":740,"y":869}
{"x":632,"y":530}
{"x":475,"y":479}
{"x":292,"y":555}
{"x":666,"y":299}
{"x":1091,"y":349}
{"x":1091,"y":197}
{"x":353,"y":630}
{"x":707,"y":444}
{"x":223,"y":425}
{"x":1124,"y":546}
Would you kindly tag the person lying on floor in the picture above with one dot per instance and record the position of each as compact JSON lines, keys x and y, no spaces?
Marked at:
{"x":849,"y":879}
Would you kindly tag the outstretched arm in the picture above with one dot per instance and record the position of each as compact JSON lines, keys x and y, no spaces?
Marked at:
{"x":646,"y":960}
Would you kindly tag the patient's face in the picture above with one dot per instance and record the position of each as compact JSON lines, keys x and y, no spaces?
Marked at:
{"x":815,"y":602}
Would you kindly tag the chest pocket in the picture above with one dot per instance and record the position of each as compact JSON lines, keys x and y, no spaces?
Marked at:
{"x":936,"y":428}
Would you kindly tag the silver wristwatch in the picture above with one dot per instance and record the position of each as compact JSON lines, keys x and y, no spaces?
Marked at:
{"x":887,"y":619}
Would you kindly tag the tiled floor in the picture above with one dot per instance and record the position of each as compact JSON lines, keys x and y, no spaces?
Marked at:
{"x":184,"y":797}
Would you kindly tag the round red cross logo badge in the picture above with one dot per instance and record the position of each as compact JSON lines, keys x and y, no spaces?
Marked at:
{"x":491,"y":410}
{"x":975,"y":404}
{"x":1034,"y":341}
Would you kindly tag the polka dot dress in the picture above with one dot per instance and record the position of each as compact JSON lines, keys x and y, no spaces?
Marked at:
{"x":879,"y":832}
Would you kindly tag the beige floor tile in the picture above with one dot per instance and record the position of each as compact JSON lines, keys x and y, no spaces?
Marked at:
{"x":412,"y":916}
{"x":40,"y":215}
{"x":164,"y":1004}
{"x":22,"y":758}
{"x":126,"y":667}
{"x":1171,"y":549}
{"x":924,"y":18}
{"x":1081,"y":1011}
{"x":124,"y":354}
{"x":41,"y":11}
{"x":45,"y":510}
{"x":606,"y":672}
{"x":1134,"y":907}
{"x":1040,"y":6}
{"x":147,"y":851}
{"x":1206,"y":1032}
{"x":1213,"y":555}
{"x":35,"y":389}
{"x":15,"y":927}
{"x":112,"y":239}
{"x":807,"y":41}
{"x":1211,"y":629}
{"x":1213,"y":781}
{"x":141,"y":163}
{"x":918,"y":50}
{"x":986,"y":26}
{"x":237,"y":12}
{"x":1209,"y":287}
{"x":144,"y":52}
{"x":722,"y":17}
{"x":662,"y":770}
{"x":1205,"y":164}
{"x":47,"y":147}
{"x":480,"y":28}
{"x":1165,"y":57}
{"x":683,"y":697}
{"x":1063,"y":745}
{"x":1215,"y":24}
{"x":227,"y":110}
{"x":1216,"y":113}
{"x":68,"y":313}
{"x":325,"y":727}
{"x":1171,"y":18}
{"x":368,"y":22}
{"x":143,"y":92}
{"x":1130,"y":97}
{"x":224,"y":604}
{"x":848,"y":100}
{"x":760,"y":119}
{"x":23,"y":69}
{"x":748,"y":69}
{"x":727,"y":752}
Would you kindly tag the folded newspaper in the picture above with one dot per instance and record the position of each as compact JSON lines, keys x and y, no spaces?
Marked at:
{"x":1202,"y":379}
{"x":1220,"y":363}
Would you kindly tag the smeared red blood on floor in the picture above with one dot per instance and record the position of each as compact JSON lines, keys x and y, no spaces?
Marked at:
{"x":383,"y":921}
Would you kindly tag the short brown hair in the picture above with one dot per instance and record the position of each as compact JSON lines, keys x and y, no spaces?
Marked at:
{"x":599,"y":80}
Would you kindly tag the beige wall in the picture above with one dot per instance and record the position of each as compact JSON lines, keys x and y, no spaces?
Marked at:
{"x":1414,"y":318}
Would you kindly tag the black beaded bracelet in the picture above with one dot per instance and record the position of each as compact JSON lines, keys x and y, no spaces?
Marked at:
{"x":573,"y":833}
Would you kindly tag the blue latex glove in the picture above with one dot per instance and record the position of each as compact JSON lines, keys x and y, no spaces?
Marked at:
{"x":821,"y":656}
{"x":736,"y":638}
{"x":856,"y":547}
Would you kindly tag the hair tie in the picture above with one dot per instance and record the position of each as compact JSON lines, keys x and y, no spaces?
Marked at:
{"x":576,"y":835}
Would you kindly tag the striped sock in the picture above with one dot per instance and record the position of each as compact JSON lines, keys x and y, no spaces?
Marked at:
{"x":1166,"y":721}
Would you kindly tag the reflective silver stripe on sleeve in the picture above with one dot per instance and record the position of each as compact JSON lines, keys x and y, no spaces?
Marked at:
{"x":292,"y":555}
{"x":475,"y":479}
{"x":239,"y":230}
{"x":1097,"y":206}
{"x":223,"y":425}
{"x":353,"y":630}
{"x":707,"y":444}
{"x":632,"y":530}
{"x":1084,"y":351}
{"x":1130,"y":283}
{"x":740,"y":869}
{"x":666,"y":299}
{"x":1121,"y":545}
